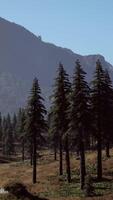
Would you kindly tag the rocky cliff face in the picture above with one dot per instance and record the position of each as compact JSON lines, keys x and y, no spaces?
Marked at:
{"x":24,"y":56}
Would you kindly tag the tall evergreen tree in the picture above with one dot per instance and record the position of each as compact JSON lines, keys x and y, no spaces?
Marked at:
{"x":53,"y":133}
{"x":21,"y":130}
{"x":36,"y":124}
{"x":108,"y":111}
{"x":4,"y":127}
{"x":8,"y":140}
{"x":80,"y":115}
{"x":98,"y":103}
{"x":14,"y":126}
{"x":60,"y":116}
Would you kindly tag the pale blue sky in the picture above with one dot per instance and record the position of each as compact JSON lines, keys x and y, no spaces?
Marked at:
{"x":85,"y":26}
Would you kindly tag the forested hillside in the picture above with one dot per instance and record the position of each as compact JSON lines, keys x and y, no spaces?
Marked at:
{"x":66,"y":152}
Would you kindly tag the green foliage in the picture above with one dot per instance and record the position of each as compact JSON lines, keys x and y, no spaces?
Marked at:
{"x":108,"y":108}
{"x":35,"y":123}
{"x":59,"y":115}
{"x":80,"y":116}
{"x":60,"y":104}
{"x":71,"y":113}
{"x":8,"y":137}
{"x":97,"y":99}
{"x":21,"y":123}
{"x":14,"y":124}
{"x":35,"y":114}
{"x":102,"y":109}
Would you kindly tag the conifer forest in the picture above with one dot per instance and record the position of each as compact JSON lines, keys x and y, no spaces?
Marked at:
{"x":65,"y":151}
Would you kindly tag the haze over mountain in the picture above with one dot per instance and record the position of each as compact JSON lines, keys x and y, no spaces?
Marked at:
{"x":24,"y":56}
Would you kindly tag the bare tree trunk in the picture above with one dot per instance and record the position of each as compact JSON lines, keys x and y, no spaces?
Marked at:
{"x":61,"y":159}
{"x":34,"y":159}
{"x":107,"y":149}
{"x":82,"y":165}
{"x":99,"y":159}
{"x":31,"y":159}
{"x":55,"y":152}
{"x":31,"y":154}
{"x":77,"y":152}
{"x":23,"y":151}
{"x":67,"y":160}
{"x":99,"y":144}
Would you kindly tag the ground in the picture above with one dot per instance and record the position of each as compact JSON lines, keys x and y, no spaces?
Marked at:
{"x":52,"y":187}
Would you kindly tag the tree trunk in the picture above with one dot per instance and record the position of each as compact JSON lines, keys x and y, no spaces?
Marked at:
{"x":31,"y":158}
{"x":31,"y":154}
{"x":34,"y":159}
{"x":82,"y":165}
{"x":67,"y":160}
{"x":99,"y":159}
{"x":23,"y":151}
{"x":55,"y":152}
{"x":77,"y":152}
{"x":107,"y":150}
{"x":92,"y":143}
{"x":61,"y":159}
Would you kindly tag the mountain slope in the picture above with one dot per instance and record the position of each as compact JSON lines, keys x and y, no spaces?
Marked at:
{"x":23,"y":56}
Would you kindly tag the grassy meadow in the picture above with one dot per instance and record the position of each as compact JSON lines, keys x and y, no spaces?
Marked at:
{"x":50,"y":185}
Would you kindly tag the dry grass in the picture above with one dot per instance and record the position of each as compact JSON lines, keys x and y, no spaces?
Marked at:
{"x":49,"y":184}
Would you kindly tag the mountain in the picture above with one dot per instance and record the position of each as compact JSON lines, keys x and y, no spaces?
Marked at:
{"x":24,"y":56}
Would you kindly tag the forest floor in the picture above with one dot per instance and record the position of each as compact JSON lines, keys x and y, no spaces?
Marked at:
{"x":52,"y":187}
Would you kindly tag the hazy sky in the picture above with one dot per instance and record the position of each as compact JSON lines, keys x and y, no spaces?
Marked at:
{"x":85,"y":26}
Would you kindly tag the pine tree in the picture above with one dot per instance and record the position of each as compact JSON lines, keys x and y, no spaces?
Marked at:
{"x":8,"y":140}
{"x":108,"y":111}
{"x":80,"y":115}
{"x":53,"y":133}
{"x":21,"y":130}
{"x":36,"y":124}
{"x":98,"y":102}
{"x":4,"y":127}
{"x":14,"y":126}
{"x":60,"y":116}
{"x":18,"y":124}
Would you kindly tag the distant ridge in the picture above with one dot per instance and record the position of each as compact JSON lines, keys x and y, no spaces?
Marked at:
{"x":24,"y":55}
